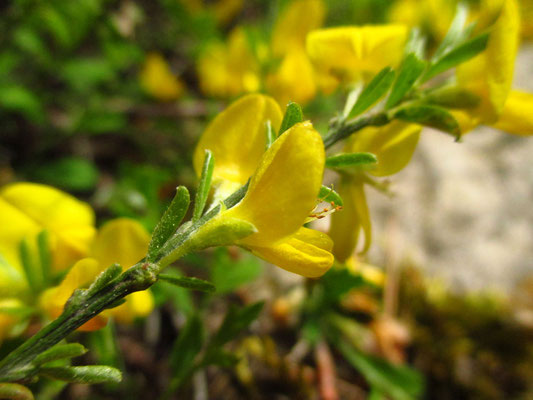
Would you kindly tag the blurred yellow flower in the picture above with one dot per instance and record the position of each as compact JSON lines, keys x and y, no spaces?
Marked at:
{"x":349,"y":54}
{"x":123,"y":241}
{"x":393,"y":145}
{"x":229,"y":69}
{"x":28,"y":208}
{"x":158,"y":80}
{"x":490,"y":76}
{"x":237,"y":139}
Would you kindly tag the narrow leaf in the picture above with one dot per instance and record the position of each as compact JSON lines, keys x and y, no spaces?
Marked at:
{"x":31,"y":269}
{"x":416,"y":43}
{"x":328,"y":195}
{"x":432,"y":116}
{"x":185,"y":349}
{"x":373,"y":91}
{"x":87,"y":374}
{"x":204,"y":186}
{"x":411,"y":69}
{"x":105,"y":278}
{"x":455,"y":33}
{"x":59,"y":352}
{"x":452,"y":97}
{"x":14,"y":391}
{"x":270,"y":134}
{"x":399,"y":382}
{"x":458,"y":55}
{"x":188,"y":282}
{"x":293,"y":115}
{"x":45,"y":257}
{"x":349,"y":160}
{"x":170,"y":221}
{"x":235,"y":321}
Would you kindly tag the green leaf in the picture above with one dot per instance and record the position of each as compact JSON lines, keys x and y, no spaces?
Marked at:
{"x":204,"y":186}
{"x":45,"y":256}
{"x":270,"y":134}
{"x":188,"y":282}
{"x":229,"y":273}
{"x":14,"y":391}
{"x":59,"y":352}
{"x":220,"y":357}
{"x":19,"y":99}
{"x":373,"y":91}
{"x":411,"y":69}
{"x":293,"y":115}
{"x":337,"y":282}
{"x":455,"y":33}
{"x":432,"y":116}
{"x":170,"y":221}
{"x":328,"y":195}
{"x":452,"y":97}
{"x":84,"y":73}
{"x":186,"y":348}
{"x":87,"y":374}
{"x":416,"y":43}
{"x":360,"y":160}
{"x":236,"y":320}
{"x":71,"y":173}
{"x":398,"y":382}
{"x":30,"y":265}
{"x":104,"y":278}
{"x":458,"y":55}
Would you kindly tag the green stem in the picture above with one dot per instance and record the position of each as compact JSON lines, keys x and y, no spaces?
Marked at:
{"x":80,"y":308}
{"x":346,"y":129}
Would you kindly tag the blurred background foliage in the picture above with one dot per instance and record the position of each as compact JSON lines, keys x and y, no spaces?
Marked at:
{"x":80,"y":110}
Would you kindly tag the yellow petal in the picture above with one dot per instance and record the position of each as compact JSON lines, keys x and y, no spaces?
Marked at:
{"x":28,"y":208}
{"x":517,"y":115}
{"x":347,"y":223}
{"x":122,"y":241}
{"x":137,"y":305}
{"x":12,"y":281}
{"x":350,"y":51}
{"x":284,"y":188}
{"x":295,"y":22}
{"x":294,"y":80}
{"x":158,"y":80}
{"x":393,"y":145}
{"x":490,"y":74}
{"x":306,"y":253}
{"x":237,"y":138}
{"x":229,"y":69}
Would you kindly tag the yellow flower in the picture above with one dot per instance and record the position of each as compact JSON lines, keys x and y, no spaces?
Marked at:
{"x":228,"y":69}
{"x":434,"y":16}
{"x":27,"y":208}
{"x":517,"y":116}
{"x":393,"y":145}
{"x":294,"y":80}
{"x":237,"y":139}
{"x":121,"y":241}
{"x":284,"y":184}
{"x":490,"y":74}
{"x":293,"y":25}
{"x":352,"y":53}
{"x":158,"y":80}
{"x":281,"y":195}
